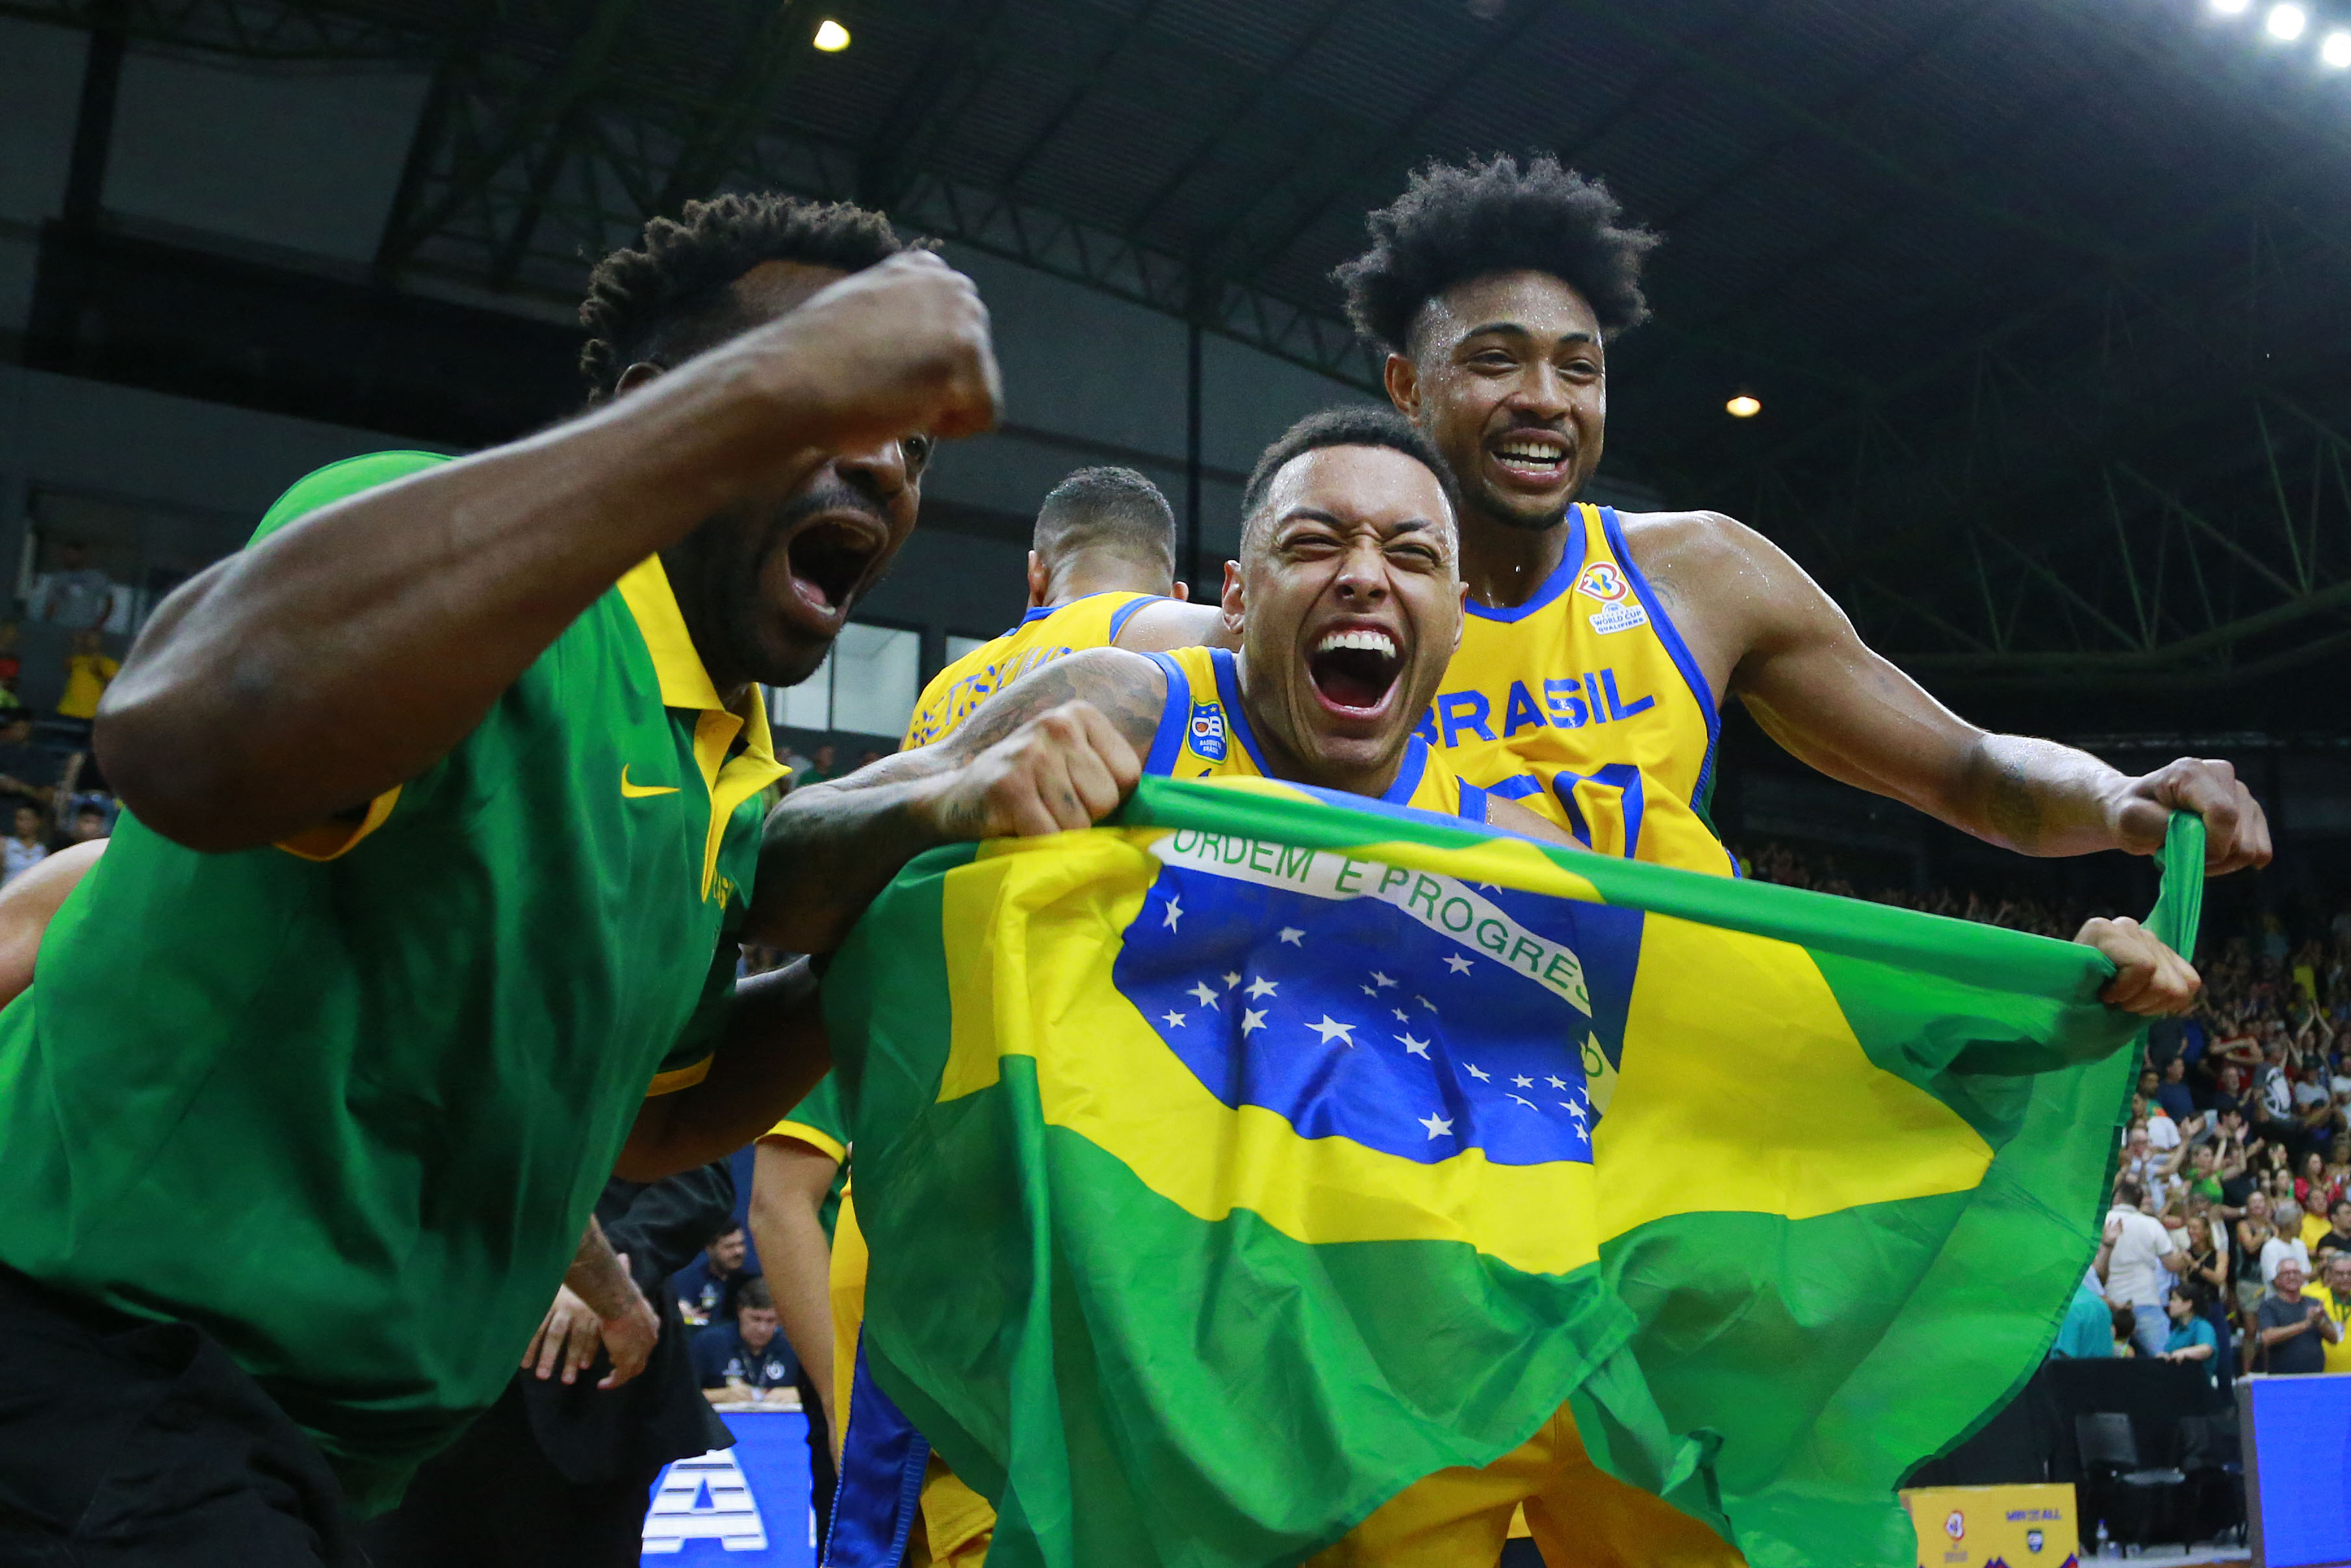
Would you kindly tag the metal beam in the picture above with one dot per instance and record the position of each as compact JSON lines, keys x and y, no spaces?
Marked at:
{"x":778,"y":43}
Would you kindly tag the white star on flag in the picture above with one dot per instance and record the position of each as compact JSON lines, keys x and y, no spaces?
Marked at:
{"x":1439,"y":1126}
{"x":1232,"y":978}
{"x":1423,"y":1001}
{"x":1457,"y":963}
{"x":1367,"y":990}
{"x":1174,"y":911}
{"x":1523,"y":1082}
{"x":1401,"y":1015}
{"x":1574,"y":1110}
{"x":1293,"y":936}
{"x":1528,"y":1103}
{"x":1251,"y":1022}
{"x":1382,"y":981}
{"x":1330,"y":1028}
{"x":1174,"y":1020}
{"x":1556,"y":1081}
{"x":1262,"y":987}
{"x":1479,"y":1073}
{"x":1204,"y":992}
{"x":1415,"y":1047}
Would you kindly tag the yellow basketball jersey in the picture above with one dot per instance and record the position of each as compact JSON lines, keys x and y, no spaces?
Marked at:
{"x":1203,"y":734}
{"x":1044,"y":635}
{"x":1584,"y":705}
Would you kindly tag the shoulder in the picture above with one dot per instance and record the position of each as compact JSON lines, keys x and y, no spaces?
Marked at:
{"x":1726,"y":570}
{"x":340,"y":481}
{"x":1128,"y":689}
{"x":1169,"y":623}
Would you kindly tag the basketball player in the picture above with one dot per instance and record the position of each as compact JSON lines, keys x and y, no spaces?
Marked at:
{"x":1598,"y":649}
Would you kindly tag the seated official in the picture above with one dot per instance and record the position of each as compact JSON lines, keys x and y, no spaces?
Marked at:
{"x":746,"y":1359}
{"x":706,"y":1288}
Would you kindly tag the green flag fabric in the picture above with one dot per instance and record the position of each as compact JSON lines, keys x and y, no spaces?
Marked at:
{"x":1230,"y":1167}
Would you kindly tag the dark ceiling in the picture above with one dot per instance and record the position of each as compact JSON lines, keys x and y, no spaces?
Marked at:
{"x":2044,"y":299}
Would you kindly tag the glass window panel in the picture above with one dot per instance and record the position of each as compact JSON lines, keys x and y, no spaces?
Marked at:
{"x":877,"y":675}
{"x":807,"y":705}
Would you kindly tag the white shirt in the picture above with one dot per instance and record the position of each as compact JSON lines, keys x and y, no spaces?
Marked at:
{"x":2277,"y":1249}
{"x":2162,"y":1131}
{"x":2134,"y":1267}
{"x":22,"y":857}
{"x":2276,"y":1098}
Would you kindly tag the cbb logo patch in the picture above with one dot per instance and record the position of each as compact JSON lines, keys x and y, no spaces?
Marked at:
{"x":1602,"y":581}
{"x":1208,"y":731}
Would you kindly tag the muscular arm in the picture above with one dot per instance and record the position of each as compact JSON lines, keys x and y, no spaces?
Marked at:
{"x":788,"y":1189}
{"x":352,"y":649}
{"x":1765,"y":633}
{"x":28,"y":904}
{"x":772,"y":1053}
{"x":1512,"y":817}
{"x":1164,"y":627}
{"x":1057,"y":750}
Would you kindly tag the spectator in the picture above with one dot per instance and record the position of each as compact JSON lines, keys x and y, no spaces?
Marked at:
{"x":868,"y":757}
{"x":88,"y":672}
{"x":2174,"y":1094}
{"x":2286,"y":1244}
{"x":2132,"y":1261}
{"x":2206,"y":1242}
{"x":2293,"y":1330}
{"x":2191,"y":1337}
{"x":12,"y":668}
{"x":2088,"y":1330}
{"x":2337,"y":1236}
{"x":77,"y":595}
{"x":2204,"y":1173}
{"x":2337,"y":1294}
{"x":26,"y":769}
{"x":27,"y":846}
{"x":746,"y":1359}
{"x":820,"y":767}
{"x":88,"y":820}
{"x":705,"y":1290}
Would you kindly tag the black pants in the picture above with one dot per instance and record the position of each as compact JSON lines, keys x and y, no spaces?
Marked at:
{"x":126,"y":1444}
{"x":493,"y":1499}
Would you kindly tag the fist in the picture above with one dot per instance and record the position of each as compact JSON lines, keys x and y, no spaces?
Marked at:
{"x":2236,"y":831}
{"x":900,"y":348}
{"x":1066,"y":769}
{"x":2150,"y":979}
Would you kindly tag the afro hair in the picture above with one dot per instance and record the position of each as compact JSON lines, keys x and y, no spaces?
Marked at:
{"x":1456,"y":222}
{"x":674,"y":297}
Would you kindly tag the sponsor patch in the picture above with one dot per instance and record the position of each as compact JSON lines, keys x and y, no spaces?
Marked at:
{"x":1620,"y":616}
{"x":1209,"y":730}
{"x":1603,"y":581}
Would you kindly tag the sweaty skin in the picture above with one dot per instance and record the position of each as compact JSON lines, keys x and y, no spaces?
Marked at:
{"x":1506,"y":373}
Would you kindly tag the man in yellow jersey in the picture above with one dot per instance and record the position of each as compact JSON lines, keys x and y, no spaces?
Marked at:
{"x":1598,"y":649}
{"x":1103,"y":554}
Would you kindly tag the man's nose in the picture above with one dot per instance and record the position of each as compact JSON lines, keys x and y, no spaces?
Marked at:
{"x":1541,"y":393}
{"x":879,"y":470}
{"x":1364,"y":572}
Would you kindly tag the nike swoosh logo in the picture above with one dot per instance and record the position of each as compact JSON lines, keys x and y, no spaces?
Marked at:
{"x":639,"y":792}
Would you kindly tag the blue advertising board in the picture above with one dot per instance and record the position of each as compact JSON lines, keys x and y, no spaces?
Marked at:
{"x":2297,"y":1467}
{"x":746,"y":1506}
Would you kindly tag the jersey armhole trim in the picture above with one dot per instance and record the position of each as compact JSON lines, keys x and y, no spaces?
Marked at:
{"x":332,"y":841}
{"x":1670,"y":637}
{"x":1168,"y":741}
{"x":823,"y":1143}
{"x":1120,"y":616}
{"x":679,"y":1078}
{"x":1472,"y":805}
{"x":1228,"y":692}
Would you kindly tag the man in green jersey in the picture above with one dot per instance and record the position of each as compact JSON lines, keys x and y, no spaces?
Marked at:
{"x":442,"y":826}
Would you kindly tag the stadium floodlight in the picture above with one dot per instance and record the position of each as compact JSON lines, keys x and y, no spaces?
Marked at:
{"x":1743,"y":406}
{"x":831,"y":36}
{"x":2286,"y":23}
{"x":2336,"y":50}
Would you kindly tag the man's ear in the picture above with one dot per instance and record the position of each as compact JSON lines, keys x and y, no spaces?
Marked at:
{"x":1403,"y":379}
{"x":1040,"y":583}
{"x":1235,"y":609}
{"x":1181,"y":592}
{"x":635,"y":376}
{"x":1461,"y":620}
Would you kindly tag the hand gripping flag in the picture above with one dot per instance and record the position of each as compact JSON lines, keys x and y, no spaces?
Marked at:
{"x":1231,"y":1168}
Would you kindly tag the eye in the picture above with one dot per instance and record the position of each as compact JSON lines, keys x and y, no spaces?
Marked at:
{"x":916,"y":450}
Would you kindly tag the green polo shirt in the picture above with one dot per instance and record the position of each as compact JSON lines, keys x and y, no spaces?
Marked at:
{"x":347,"y":1103}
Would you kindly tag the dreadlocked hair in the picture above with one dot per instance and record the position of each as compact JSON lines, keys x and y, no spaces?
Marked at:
{"x":674,"y":297}
{"x":1456,"y":222}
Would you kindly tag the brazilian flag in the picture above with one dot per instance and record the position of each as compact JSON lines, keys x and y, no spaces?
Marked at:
{"x":1230,"y":1168}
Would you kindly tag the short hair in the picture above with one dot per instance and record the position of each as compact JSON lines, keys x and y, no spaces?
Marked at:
{"x":1456,"y":222}
{"x":1107,"y":508}
{"x":730,"y":1228}
{"x":674,"y":297}
{"x":1352,"y":425}
{"x":2338,"y":1206}
{"x":755,"y":1294}
{"x":2129,"y":1191}
{"x":2195,"y":1292}
{"x":2286,"y":1212}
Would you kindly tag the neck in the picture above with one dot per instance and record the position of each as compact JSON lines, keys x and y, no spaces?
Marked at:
{"x":1504,"y":564}
{"x":1087,"y":576}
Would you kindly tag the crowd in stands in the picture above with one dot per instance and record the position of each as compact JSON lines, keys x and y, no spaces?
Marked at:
{"x":2228,"y":1242}
{"x":51,"y":792}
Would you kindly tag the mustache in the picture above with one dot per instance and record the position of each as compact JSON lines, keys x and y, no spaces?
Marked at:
{"x":834,"y":494}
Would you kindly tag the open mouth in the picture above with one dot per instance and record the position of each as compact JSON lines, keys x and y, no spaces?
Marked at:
{"x":1535,"y":455}
{"x":1353,"y":668}
{"x":827,"y":561}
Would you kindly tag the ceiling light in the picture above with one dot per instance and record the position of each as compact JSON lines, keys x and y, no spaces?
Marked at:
{"x":2286,"y":22}
{"x":2337,"y":51}
{"x":1743,"y":406}
{"x":831,"y":36}
{"x":2230,"y":7}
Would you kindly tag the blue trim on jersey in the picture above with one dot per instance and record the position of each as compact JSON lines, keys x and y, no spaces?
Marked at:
{"x":1409,"y":772}
{"x":1168,"y":741}
{"x":1517,"y":787}
{"x":1670,"y":636}
{"x":1562,"y":576}
{"x":1229,"y":689}
{"x":1034,"y":615}
{"x":1472,"y":795}
{"x":880,"y":1489}
{"x":1118,"y":617}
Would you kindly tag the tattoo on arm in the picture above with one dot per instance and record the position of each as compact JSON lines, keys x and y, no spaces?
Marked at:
{"x":2009,"y":804}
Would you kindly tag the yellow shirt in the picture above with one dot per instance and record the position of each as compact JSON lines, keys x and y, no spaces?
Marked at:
{"x":1045,"y":633}
{"x":1584,"y":705}
{"x":1203,"y":734}
{"x":2339,"y":1356}
{"x":86,"y":678}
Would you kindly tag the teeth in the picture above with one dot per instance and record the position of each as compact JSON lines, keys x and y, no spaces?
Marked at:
{"x":1531,"y":450}
{"x":1370,"y":642}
